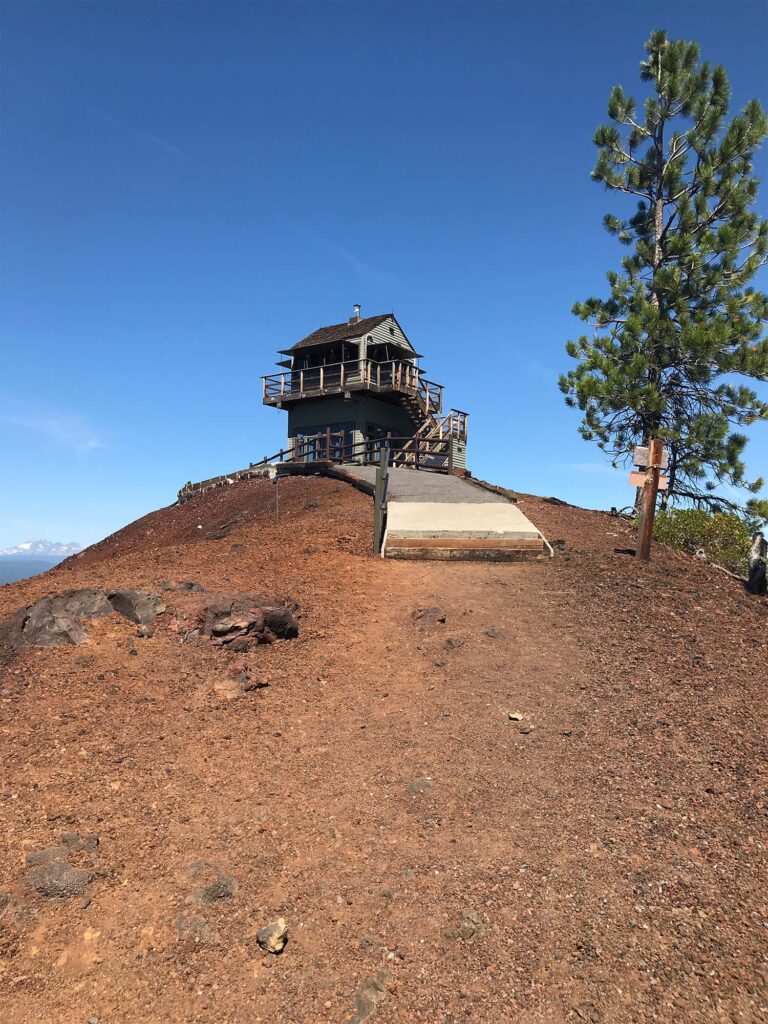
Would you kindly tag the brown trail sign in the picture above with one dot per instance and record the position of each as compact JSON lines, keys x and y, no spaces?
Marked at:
{"x":651,"y":460}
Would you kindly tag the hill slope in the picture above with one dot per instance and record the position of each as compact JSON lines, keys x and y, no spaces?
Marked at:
{"x":596,"y":861}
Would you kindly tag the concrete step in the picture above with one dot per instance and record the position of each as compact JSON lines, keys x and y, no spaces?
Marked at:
{"x":482,"y":531}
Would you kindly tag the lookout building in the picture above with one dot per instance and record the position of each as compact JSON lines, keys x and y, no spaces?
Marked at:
{"x":349,"y":387}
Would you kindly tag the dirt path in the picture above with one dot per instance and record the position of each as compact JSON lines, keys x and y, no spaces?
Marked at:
{"x":598,"y":861}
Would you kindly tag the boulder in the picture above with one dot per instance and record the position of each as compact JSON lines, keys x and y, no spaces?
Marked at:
{"x":11,"y":635}
{"x":56,"y":620}
{"x":235,"y":619}
{"x":139,"y":606}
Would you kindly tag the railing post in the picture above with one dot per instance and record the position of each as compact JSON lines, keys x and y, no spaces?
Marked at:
{"x":380,"y":498}
{"x":328,"y":444}
{"x":341,"y":376}
{"x":322,"y":384}
{"x":450,"y":454}
{"x":301,"y":381}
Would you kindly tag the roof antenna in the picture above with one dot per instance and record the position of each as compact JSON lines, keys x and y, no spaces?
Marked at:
{"x":355,"y":318}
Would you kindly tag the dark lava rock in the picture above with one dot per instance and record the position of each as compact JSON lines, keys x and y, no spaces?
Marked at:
{"x":11,"y":637}
{"x":195,"y":929}
{"x":427,"y":617}
{"x":60,"y":881}
{"x":420,"y":787}
{"x":75,"y":842}
{"x":137,"y":605}
{"x":470,"y":927}
{"x":50,"y":855}
{"x":236,"y":620}
{"x":368,"y":996}
{"x":55,"y":620}
{"x":189,"y":587}
{"x":493,"y":632}
{"x":221,"y":888}
{"x":281,"y":623}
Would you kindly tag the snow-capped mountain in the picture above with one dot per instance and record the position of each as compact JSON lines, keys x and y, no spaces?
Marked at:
{"x":41,"y":549}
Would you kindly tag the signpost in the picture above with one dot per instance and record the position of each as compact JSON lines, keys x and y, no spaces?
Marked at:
{"x":651,"y":461}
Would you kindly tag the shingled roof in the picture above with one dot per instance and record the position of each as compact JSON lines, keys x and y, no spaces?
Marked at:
{"x":338,"y":332}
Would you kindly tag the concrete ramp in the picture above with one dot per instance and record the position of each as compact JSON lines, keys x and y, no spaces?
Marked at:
{"x":436,"y":515}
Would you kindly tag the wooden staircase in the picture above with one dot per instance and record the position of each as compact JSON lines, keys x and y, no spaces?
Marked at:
{"x":452,"y":427}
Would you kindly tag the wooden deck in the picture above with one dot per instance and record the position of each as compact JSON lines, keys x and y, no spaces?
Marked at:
{"x":395,"y":376}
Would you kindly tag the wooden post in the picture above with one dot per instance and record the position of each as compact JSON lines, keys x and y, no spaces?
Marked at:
{"x":650,"y":491}
{"x":450,"y":454}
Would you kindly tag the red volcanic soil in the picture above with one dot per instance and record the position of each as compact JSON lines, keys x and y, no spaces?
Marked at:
{"x":599,"y":860}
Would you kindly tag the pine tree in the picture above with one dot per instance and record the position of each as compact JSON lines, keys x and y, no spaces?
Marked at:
{"x":682,"y":323}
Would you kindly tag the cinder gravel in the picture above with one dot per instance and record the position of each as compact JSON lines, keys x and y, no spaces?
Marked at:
{"x":605,"y":867}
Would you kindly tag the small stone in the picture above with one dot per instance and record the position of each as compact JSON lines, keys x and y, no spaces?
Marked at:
{"x":273,"y":937}
{"x":194,"y":928}
{"x":427,"y":617}
{"x":368,"y":996}
{"x":221,"y":888}
{"x":420,"y":786}
{"x":132,"y":650}
{"x":493,"y":633}
{"x":50,"y":855}
{"x":74,"y":841}
{"x":5,"y":899}
{"x":144,"y":631}
{"x":515,"y":716}
{"x":525,"y":729}
{"x":84,"y":904}
{"x":470,"y":927}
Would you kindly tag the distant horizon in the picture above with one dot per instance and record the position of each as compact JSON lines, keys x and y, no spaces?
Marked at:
{"x":188,"y":188}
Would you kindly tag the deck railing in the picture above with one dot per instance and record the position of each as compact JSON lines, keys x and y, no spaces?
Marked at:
{"x":330,"y":446}
{"x":354,"y":375}
{"x":432,"y":454}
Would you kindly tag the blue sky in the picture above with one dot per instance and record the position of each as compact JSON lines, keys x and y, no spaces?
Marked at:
{"x":187,"y":187}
